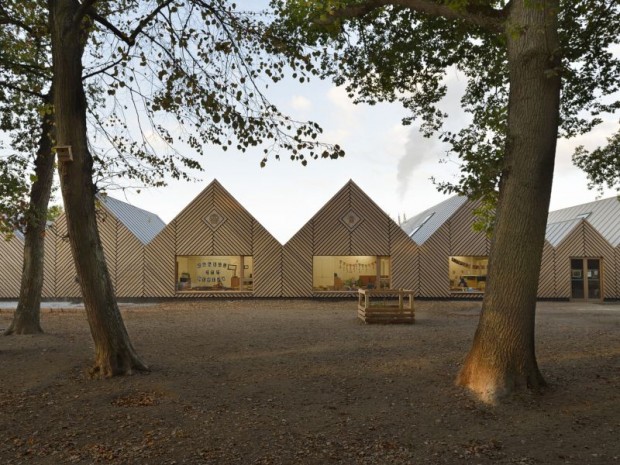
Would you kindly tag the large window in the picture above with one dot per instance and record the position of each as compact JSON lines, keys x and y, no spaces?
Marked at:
{"x":349,"y":273}
{"x":197,"y":273}
{"x":468,"y":274}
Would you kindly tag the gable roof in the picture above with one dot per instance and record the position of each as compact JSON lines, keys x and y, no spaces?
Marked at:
{"x":603,"y":215}
{"x":350,"y":223}
{"x":556,"y":232}
{"x":141,"y":223}
{"x":422,"y":226}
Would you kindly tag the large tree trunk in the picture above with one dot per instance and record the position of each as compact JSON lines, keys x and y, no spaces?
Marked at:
{"x":114,"y":353}
{"x":502,"y":357}
{"x":26,"y":319}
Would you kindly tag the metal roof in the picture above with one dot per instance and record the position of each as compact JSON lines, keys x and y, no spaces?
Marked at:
{"x":18,"y":234}
{"x":556,"y":232}
{"x":143,"y":224}
{"x":604,"y":216}
{"x":422,"y":226}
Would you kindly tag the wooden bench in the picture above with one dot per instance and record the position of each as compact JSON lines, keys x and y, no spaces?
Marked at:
{"x":385,"y":306}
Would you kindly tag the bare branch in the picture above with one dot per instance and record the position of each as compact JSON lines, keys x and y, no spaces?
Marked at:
{"x":111,"y":27}
{"x":131,"y":38}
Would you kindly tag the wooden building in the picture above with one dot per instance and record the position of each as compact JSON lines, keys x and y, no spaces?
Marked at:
{"x":580,"y":257}
{"x":586,"y":240}
{"x":453,"y":257}
{"x":349,"y":244}
{"x":216,"y":248}
{"x":124,"y":231}
{"x":12,"y":259}
{"x":213,"y":248}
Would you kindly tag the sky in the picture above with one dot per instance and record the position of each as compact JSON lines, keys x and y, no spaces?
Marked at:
{"x":392,"y":163}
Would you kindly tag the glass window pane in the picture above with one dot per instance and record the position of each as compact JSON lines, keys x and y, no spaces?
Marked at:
{"x":210,"y":273}
{"x":349,"y":273}
{"x":594,"y":278}
{"x":576,"y":274}
{"x":468,"y":274}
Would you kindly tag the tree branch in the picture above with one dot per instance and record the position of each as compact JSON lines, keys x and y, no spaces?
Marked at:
{"x":131,"y":38}
{"x":85,"y":7}
{"x":481,"y":15}
{"x":7,"y":19}
{"x":8,"y":85}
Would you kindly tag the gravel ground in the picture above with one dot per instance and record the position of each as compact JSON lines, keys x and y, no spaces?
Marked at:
{"x":304,"y":382}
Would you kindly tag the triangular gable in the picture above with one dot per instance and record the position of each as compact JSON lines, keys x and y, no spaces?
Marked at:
{"x":215,"y":223}
{"x":603,"y":215}
{"x":422,"y":226}
{"x":558,"y":232}
{"x":350,"y":223}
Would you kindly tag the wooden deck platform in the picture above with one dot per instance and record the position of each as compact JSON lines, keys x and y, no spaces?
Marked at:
{"x":385,"y":306}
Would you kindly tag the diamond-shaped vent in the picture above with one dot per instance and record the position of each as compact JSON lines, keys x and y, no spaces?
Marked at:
{"x":214,"y":220}
{"x":351,"y":220}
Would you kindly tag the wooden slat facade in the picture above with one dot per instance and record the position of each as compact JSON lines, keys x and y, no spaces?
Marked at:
{"x":159,"y":264}
{"x":297,"y":264}
{"x":585,"y":241}
{"x":129,"y":264}
{"x":405,"y":260}
{"x":350,"y":224}
{"x":49,"y":265}
{"x":12,"y":256}
{"x":213,"y":224}
{"x":454,"y":238}
{"x":547,"y":279}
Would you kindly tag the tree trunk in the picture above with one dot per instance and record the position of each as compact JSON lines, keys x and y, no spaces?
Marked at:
{"x":26,"y":319}
{"x":114,"y":353}
{"x":502,"y":357}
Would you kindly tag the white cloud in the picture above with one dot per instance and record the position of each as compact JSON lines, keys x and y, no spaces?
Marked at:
{"x":299,"y":102}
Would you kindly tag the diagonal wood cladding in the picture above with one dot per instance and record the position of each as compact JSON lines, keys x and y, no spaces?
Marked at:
{"x":330,"y":235}
{"x":214,"y":223}
{"x":297,"y":264}
{"x":464,"y":241}
{"x":434,"y":265}
{"x":585,"y":241}
{"x":405,"y":260}
{"x":573,"y":245}
{"x":229,"y":234}
{"x":66,"y":276}
{"x":349,"y":224}
{"x":160,"y":264}
{"x":595,"y":245}
{"x":49,"y":265}
{"x":129,"y":265}
{"x":546,"y":281}
{"x":615,"y":276}
{"x":108,"y":226}
{"x":12,"y":256}
{"x":372,"y":235}
{"x":267,"y":263}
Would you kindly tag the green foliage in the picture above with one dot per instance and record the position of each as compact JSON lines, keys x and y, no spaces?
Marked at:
{"x":197,"y":73}
{"x":602,"y":165}
{"x":53,"y":212}
{"x":159,"y":76}
{"x":396,"y":54}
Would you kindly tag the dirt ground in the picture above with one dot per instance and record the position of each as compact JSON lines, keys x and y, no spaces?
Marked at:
{"x":304,"y":382}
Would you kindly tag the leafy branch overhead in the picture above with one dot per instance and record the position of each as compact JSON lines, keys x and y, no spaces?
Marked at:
{"x":203,"y":68}
{"x":160,"y":77}
{"x":404,"y":51}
